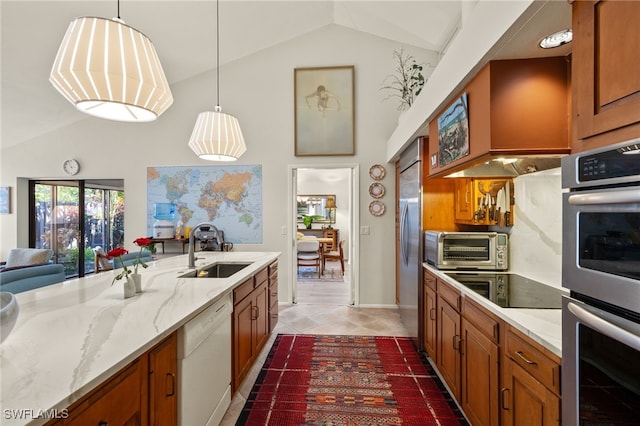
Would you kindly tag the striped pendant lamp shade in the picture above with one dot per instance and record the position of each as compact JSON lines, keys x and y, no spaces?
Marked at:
{"x":217,"y":137}
{"x":110,"y":70}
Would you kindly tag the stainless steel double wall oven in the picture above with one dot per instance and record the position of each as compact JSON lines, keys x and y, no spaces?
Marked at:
{"x":601,"y":269}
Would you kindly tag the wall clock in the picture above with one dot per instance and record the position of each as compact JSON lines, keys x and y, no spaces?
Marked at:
{"x":71,"y":167}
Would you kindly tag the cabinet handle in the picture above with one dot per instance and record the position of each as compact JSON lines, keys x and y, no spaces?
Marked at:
{"x":503,"y":391}
{"x":457,"y":346}
{"x":256,"y":312}
{"x":172,"y":383}
{"x":432,"y":314}
{"x":528,"y":361}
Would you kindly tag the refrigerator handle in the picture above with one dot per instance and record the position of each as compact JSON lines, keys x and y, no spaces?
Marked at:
{"x":404,"y":252}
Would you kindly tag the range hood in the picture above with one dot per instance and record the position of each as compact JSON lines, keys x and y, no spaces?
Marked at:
{"x":508,"y":167}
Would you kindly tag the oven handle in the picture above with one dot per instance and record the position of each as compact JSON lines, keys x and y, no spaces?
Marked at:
{"x":621,"y":196}
{"x":604,"y":327}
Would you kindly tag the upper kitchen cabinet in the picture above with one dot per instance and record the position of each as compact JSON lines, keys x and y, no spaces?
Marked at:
{"x":606,"y":73}
{"x":515,"y":108}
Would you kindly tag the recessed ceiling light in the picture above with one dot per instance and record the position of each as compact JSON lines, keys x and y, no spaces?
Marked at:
{"x":557,"y":39}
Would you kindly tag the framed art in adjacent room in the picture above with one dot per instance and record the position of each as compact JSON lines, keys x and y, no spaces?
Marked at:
{"x":5,"y":199}
{"x":324,"y":111}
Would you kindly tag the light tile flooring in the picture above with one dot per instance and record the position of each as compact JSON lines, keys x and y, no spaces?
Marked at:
{"x":319,"y":312}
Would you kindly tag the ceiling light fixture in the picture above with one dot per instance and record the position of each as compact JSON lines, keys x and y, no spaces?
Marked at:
{"x":110,"y":70}
{"x":217,"y":136}
{"x":557,"y":39}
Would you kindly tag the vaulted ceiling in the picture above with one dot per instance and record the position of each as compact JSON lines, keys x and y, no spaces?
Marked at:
{"x":184,"y":34}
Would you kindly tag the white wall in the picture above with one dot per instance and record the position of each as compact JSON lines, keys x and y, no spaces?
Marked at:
{"x":535,"y":240}
{"x":259,"y":91}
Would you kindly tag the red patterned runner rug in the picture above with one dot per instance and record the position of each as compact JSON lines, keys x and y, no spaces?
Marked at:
{"x":347,"y":380}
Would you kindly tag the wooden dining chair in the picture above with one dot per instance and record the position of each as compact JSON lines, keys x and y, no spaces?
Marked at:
{"x":335,"y":255}
{"x":309,"y":254}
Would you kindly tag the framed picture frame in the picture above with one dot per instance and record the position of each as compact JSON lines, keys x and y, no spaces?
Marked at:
{"x":324,"y":111}
{"x":5,"y":199}
{"x":453,"y":131}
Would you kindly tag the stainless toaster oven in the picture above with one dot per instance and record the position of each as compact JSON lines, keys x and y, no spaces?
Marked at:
{"x":467,"y":250}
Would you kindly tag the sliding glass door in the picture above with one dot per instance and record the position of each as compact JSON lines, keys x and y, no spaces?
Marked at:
{"x":74,"y":217}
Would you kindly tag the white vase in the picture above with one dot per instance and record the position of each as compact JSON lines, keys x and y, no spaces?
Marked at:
{"x":129,"y":287}
{"x":137,"y":278}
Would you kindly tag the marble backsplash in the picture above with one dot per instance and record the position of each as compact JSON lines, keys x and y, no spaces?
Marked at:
{"x":536,"y":235}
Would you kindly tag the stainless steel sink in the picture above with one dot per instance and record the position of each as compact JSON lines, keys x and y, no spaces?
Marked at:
{"x":216,"y":270}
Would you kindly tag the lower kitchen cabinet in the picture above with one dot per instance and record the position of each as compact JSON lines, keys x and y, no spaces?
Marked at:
{"x":530,"y":393}
{"x":163,"y":391}
{"x":480,"y":365}
{"x":430,"y":324}
{"x":273,"y":295}
{"x":250,"y":324}
{"x":497,"y":374}
{"x":142,"y":393}
{"x":449,"y":334}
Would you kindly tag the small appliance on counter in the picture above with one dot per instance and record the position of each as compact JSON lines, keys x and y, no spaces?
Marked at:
{"x":211,"y":238}
{"x":467,"y":250}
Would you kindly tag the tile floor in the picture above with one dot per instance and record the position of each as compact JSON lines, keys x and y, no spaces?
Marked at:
{"x":319,"y":312}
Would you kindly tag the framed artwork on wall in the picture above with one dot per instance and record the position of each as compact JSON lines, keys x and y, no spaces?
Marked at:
{"x":5,"y":199}
{"x":324,"y":111}
{"x":453,"y":131}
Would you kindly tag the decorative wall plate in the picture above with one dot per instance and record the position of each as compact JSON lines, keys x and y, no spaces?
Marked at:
{"x":377,"y":172}
{"x":376,"y":190}
{"x":376,"y":208}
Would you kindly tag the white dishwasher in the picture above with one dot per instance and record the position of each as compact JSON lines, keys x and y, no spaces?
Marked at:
{"x":204,"y":366}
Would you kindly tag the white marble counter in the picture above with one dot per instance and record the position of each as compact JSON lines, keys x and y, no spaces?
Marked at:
{"x":70,"y":337}
{"x":541,"y":325}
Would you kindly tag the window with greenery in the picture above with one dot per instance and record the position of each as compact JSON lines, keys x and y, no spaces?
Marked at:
{"x":74,"y":217}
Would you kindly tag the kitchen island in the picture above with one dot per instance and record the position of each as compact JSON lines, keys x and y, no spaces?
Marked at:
{"x":71,"y":337}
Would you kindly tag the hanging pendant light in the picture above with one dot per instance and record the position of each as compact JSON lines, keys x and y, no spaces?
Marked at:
{"x":110,"y":70}
{"x":216,"y":135}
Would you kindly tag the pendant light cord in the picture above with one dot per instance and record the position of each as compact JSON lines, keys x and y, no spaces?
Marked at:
{"x":217,"y":54}
{"x":118,"y":9}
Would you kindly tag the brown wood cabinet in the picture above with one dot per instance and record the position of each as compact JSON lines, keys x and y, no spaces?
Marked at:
{"x":530,"y":393}
{"x":497,"y":374}
{"x":250,"y":324}
{"x":515,"y":107}
{"x":142,"y":393}
{"x":480,"y":365}
{"x":163,"y":391}
{"x":273,"y":295}
{"x":469,"y":201}
{"x":605,"y":77}
{"x":430,"y":315}
{"x":449,"y":335}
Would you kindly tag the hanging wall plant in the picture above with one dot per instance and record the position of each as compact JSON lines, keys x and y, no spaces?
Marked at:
{"x":407,"y":82}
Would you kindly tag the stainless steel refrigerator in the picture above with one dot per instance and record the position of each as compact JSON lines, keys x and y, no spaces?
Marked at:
{"x":409,"y":256}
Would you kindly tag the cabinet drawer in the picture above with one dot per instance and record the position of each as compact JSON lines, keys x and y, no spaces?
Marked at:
{"x":273,"y":294}
{"x":534,"y":361}
{"x":482,"y":320}
{"x":273,"y":269}
{"x":451,"y":295}
{"x":430,"y":280}
{"x":242,"y":291}
{"x":261,"y":277}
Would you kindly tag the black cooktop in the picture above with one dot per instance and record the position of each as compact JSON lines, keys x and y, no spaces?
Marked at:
{"x":510,"y":290}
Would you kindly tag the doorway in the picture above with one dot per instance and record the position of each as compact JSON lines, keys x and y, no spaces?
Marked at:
{"x":310,"y":188}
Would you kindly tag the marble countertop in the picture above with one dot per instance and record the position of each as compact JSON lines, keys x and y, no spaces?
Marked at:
{"x":72,"y":336}
{"x":541,"y":325}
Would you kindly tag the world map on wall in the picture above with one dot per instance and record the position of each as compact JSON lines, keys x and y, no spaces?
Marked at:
{"x":230,"y":197}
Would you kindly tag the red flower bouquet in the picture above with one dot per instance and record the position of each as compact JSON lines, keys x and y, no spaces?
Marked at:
{"x":118,"y":252}
{"x":142,"y":243}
